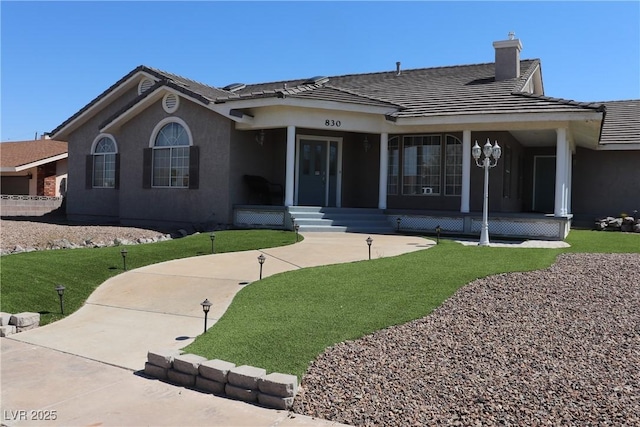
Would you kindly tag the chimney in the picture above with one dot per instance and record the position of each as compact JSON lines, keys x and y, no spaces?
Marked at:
{"x":508,"y":58}
{"x":398,"y":68}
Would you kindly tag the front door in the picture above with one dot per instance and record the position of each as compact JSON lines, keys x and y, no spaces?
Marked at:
{"x":544,"y":183}
{"x":318,"y":171}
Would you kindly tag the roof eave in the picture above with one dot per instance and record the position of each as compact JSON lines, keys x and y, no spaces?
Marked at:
{"x":30,"y":165}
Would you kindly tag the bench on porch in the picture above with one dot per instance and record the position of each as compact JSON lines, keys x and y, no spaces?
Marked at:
{"x":264,"y":192}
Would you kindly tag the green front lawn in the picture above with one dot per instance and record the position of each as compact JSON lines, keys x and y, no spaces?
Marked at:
{"x":284,"y":321}
{"x":28,"y":279}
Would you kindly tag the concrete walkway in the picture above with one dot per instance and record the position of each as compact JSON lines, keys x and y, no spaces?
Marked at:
{"x":81,"y":366}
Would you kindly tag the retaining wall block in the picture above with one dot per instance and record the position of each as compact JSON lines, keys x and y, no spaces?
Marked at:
{"x":156,"y":371}
{"x":163,"y":357}
{"x":241,"y":393}
{"x":208,"y":385}
{"x":216,"y":370}
{"x":280,"y":385}
{"x":275,"y":402}
{"x":7,"y":330}
{"x":188,"y":363}
{"x":4,"y":318}
{"x":25,"y":319}
{"x":246,"y":376}
{"x":180,"y":378}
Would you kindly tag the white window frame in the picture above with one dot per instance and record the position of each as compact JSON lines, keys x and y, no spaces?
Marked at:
{"x":152,"y":141}
{"x":394,"y":164}
{"x":103,"y":157}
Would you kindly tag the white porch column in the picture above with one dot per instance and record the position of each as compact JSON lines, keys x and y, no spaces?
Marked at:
{"x":569,"y":178}
{"x":466,"y":171}
{"x":384,"y":170}
{"x":562,"y":150}
{"x":290,"y":166}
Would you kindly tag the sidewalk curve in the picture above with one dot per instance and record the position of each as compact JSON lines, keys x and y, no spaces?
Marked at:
{"x":76,"y":364}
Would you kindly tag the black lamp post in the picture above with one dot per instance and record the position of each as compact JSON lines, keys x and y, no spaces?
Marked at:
{"x":261,"y":259}
{"x":123,"y":252}
{"x":206,"y":305}
{"x":60,"y":290}
{"x":212,"y":236}
{"x":438,"y":230}
{"x":369,"y":241}
{"x":398,"y":221}
{"x":297,"y":228}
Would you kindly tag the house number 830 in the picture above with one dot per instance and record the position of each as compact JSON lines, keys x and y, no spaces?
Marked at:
{"x":332,"y":123}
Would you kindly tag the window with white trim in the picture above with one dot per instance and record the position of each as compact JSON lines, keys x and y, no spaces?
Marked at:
{"x":421,"y":170}
{"x":453,"y":166}
{"x":170,"y":161}
{"x":104,"y":163}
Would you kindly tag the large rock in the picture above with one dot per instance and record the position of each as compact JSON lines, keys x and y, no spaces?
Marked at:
{"x":188,"y":363}
{"x":7,"y":330}
{"x":216,"y":370}
{"x":280,"y":385}
{"x":246,"y":376}
{"x":163,"y":357}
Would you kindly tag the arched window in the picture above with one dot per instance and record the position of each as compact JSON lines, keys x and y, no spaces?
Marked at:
{"x":102,"y":169}
{"x":170,"y":156}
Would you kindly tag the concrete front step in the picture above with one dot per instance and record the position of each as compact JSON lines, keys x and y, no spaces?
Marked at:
{"x":314,"y":218}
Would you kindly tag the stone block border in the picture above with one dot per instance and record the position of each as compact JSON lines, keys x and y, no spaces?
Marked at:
{"x":246,"y":383}
{"x":13,"y":323}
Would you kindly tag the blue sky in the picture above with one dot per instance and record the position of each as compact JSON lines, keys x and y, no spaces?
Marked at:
{"x":58,"y":56}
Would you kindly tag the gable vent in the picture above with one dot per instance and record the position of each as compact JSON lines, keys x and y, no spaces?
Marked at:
{"x":170,"y":102}
{"x":233,"y":87}
{"x":317,"y":80}
{"x":144,"y":85}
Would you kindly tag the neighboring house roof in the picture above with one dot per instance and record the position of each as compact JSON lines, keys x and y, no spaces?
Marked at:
{"x":621,"y":123}
{"x":21,"y":155}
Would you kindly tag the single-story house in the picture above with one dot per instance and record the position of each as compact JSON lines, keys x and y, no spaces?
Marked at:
{"x":33,"y":168}
{"x":395,"y":146}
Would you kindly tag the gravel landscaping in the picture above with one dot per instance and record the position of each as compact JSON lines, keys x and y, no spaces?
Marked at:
{"x":24,"y":235}
{"x":559,"y":346}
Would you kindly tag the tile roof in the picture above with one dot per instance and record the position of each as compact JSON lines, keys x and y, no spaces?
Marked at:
{"x":621,"y":122}
{"x":18,"y":153}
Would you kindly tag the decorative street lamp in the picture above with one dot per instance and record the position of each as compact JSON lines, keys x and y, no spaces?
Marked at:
{"x":488,"y":152}
{"x":369,"y":241}
{"x":60,"y":291}
{"x":123,"y":252}
{"x":212,"y":236}
{"x":206,"y":306}
{"x":398,"y":221}
{"x":438,"y":230}
{"x":261,"y":259}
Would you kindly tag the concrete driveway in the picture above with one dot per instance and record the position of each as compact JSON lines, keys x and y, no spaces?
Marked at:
{"x":84,"y":366}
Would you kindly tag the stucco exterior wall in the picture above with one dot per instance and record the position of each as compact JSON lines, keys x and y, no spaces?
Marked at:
{"x":605,"y":183}
{"x":208,"y":203}
{"x":98,"y":203}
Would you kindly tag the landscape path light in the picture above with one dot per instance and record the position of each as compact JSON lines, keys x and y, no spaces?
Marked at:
{"x":261,"y":259}
{"x":60,"y":291}
{"x":369,"y":241}
{"x":438,"y":230}
{"x":206,"y":306}
{"x":212,"y":236}
{"x":124,"y":252}
{"x":488,"y":152}
{"x":297,"y":228}
{"x":398,"y":221}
